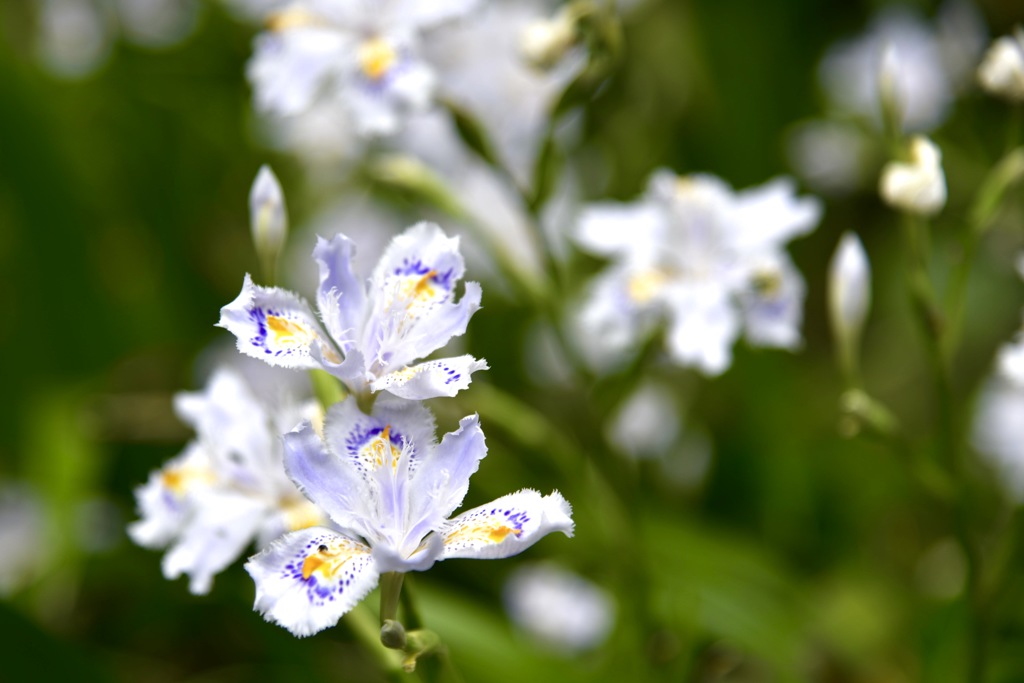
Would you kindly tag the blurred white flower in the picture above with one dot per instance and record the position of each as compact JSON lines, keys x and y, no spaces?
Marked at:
{"x":481,"y":68}
{"x":998,"y":432}
{"x":23,"y":526}
{"x":545,"y":41}
{"x":1001,"y":73}
{"x":490,"y":199}
{"x":75,"y":36}
{"x":917,"y":186}
{"x":647,"y":423}
{"x":365,"y":53}
{"x":833,"y":157}
{"x":708,"y":261}
{"x":156,"y":23}
{"x":849,"y":291}
{"x":919,"y":65}
{"x":559,"y":609}
{"x":229,"y":486}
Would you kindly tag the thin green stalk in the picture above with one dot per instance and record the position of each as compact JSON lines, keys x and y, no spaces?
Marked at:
{"x":390,"y":595}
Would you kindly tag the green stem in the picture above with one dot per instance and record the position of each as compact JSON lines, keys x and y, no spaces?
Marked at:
{"x":390,"y":595}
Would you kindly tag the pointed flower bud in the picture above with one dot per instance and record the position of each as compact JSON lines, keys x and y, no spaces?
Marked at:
{"x":267,"y":215}
{"x":544,"y":42}
{"x":917,"y":186}
{"x":849,"y":296}
{"x":1002,"y":70}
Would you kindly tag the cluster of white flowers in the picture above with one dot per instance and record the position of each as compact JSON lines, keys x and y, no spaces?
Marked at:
{"x":337,"y":496}
{"x":349,"y":495}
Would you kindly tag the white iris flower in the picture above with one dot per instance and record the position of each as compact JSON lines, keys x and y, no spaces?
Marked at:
{"x":366,"y":52}
{"x":707,"y":261}
{"x":228,"y":487}
{"x":389,"y":487}
{"x":368,"y":333}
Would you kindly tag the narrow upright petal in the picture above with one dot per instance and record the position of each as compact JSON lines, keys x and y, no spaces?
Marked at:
{"x":275,"y":326}
{"x":507,"y":525}
{"x":307,"y":580}
{"x":326,"y":479}
{"x":341,"y":296}
{"x":441,"y":480}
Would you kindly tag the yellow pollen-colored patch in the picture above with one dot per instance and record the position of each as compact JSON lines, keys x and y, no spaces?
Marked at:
{"x":498,"y":535}
{"x":482,"y":532}
{"x":328,"y":561}
{"x":302,"y":514}
{"x":381,"y":450}
{"x":423,"y":289}
{"x":288,"y":332}
{"x":376,"y":57}
{"x":315,"y":562}
{"x":173,"y":480}
{"x":293,"y":17}
{"x":179,"y":479}
{"x":645,"y":285}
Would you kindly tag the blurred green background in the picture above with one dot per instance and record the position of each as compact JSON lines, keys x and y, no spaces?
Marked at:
{"x":798,"y":555}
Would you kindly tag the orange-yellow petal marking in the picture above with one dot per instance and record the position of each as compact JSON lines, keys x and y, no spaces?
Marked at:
{"x":288,"y":332}
{"x":380,"y":449}
{"x":328,"y":561}
{"x":376,"y":57}
{"x":179,"y":479}
{"x":482,"y":532}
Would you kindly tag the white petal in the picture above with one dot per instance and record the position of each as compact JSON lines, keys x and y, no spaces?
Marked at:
{"x":772,"y":304}
{"x":445,"y":377}
{"x":704,"y":326}
{"x":341,"y":296}
{"x":275,"y":326}
{"x":441,"y":479}
{"x":165,"y":501}
{"x":770,"y":215}
{"x":307,"y":580}
{"x":507,"y":526}
{"x":610,"y":228}
{"x":327,"y":479}
{"x":222,"y":526}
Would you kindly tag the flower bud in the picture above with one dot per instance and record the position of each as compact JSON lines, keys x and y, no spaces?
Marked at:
{"x":849,"y":295}
{"x":1001,"y":72}
{"x":545,"y":41}
{"x":267,"y":215}
{"x":917,"y":186}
